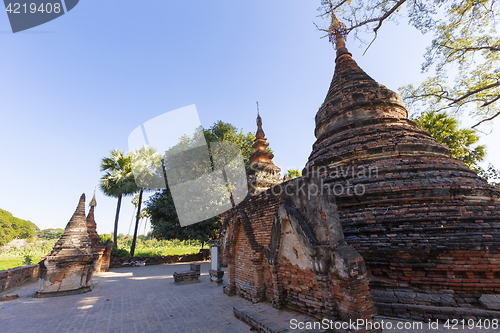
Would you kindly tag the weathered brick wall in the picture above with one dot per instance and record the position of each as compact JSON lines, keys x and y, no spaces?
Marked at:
{"x":249,"y":234}
{"x":160,"y":260}
{"x":293,"y":283}
{"x":302,"y":291}
{"x":106,"y":257}
{"x":244,"y":267}
{"x":17,"y":276}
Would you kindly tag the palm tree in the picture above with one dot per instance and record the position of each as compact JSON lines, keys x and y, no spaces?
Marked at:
{"x":147,"y":165}
{"x":117,"y":181}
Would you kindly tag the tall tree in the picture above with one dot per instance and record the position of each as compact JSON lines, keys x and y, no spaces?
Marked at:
{"x":12,"y":227}
{"x":444,"y":129}
{"x":293,"y":173}
{"x":163,"y":216}
{"x":146,"y":163}
{"x":465,"y":51}
{"x":117,"y":181}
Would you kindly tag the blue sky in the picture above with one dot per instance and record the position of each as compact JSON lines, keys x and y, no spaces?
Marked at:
{"x":73,"y":89}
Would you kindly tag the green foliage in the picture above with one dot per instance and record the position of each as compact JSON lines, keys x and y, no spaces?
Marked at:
{"x":160,"y":206}
{"x":224,"y":132}
{"x":165,"y":222}
{"x":8,"y":262}
{"x":293,"y":173}
{"x":12,"y":227}
{"x":32,"y":252}
{"x":40,"y":246}
{"x":106,"y":238}
{"x":29,"y":258}
{"x":118,"y":179}
{"x":490,"y":174}
{"x":119,"y":253}
{"x":50,"y":233}
{"x":465,"y":50}
{"x":444,"y":129}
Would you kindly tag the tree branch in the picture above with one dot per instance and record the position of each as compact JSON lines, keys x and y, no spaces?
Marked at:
{"x":487,"y":119}
{"x":491,"y":102}
{"x":475,"y":92}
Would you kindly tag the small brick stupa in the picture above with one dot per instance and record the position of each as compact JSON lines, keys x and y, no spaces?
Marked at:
{"x":68,"y":268}
{"x":263,"y":174}
{"x":426,"y":225}
{"x":97,"y":247}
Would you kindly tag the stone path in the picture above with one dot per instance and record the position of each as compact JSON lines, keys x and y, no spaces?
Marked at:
{"x":143,"y":299}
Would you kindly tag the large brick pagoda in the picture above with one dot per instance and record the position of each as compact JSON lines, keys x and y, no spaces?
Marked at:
{"x":426,"y":225}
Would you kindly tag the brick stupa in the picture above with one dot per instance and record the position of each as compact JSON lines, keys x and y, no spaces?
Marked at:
{"x":263,"y":174}
{"x":426,"y":225}
{"x":97,"y":247}
{"x":68,"y":268}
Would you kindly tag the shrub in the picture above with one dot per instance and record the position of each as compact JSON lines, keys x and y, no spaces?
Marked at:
{"x":119,"y":253}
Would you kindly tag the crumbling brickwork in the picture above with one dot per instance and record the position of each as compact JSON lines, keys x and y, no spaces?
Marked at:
{"x":423,"y":221}
{"x":289,"y":249}
{"x":70,"y":265}
{"x":97,"y":247}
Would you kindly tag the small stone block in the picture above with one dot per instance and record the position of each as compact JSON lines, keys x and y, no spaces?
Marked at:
{"x":8,"y":297}
{"x":490,"y":302}
{"x":216,"y":276}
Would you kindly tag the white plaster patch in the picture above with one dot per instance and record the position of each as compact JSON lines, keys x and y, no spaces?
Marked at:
{"x":290,"y":247}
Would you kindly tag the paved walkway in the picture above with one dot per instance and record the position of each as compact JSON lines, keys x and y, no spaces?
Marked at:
{"x":141,"y":299}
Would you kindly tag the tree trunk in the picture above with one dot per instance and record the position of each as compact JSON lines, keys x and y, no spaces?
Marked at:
{"x":130,"y":227}
{"x":115,"y":234}
{"x":132,"y":248}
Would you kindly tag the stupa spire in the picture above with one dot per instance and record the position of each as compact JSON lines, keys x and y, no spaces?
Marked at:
{"x":75,"y":239}
{"x":263,"y":174}
{"x":261,"y":154}
{"x":93,"y":202}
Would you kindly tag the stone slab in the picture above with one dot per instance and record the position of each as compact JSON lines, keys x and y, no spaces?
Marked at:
{"x":8,"y":297}
{"x":490,"y":302}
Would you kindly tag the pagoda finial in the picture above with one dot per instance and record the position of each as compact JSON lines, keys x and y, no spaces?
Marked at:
{"x":337,"y":33}
{"x":93,"y":202}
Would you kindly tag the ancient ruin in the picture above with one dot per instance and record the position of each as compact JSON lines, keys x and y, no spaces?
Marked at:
{"x":425,"y":223}
{"x":102,"y":264}
{"x":263,"y":174}
{"x":69,"y":267}
{"x":286,"y":246}
{"x":384,"y":202}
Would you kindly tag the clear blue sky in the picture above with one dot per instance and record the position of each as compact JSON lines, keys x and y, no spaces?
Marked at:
{"x":73,"y":89}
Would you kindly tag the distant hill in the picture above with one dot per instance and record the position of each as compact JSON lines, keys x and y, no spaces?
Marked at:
{"x":12,"y":227}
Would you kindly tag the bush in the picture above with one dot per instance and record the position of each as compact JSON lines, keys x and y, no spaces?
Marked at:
{"x":106,"y":238}
{"x":119,"y":252}
{"x":29,"y":259}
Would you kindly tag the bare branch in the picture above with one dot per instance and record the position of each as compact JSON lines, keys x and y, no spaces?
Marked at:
{"x":493,"y":48}
{"x":476,"y":91}
{"x":487,"y":119}
{"x":387,"y":14}
{"x":491,"y":102}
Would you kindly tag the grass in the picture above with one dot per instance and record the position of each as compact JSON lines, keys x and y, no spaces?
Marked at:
{"x":8,"y":262}
{"x":13,"y":259}
{"x":165,"y":251}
